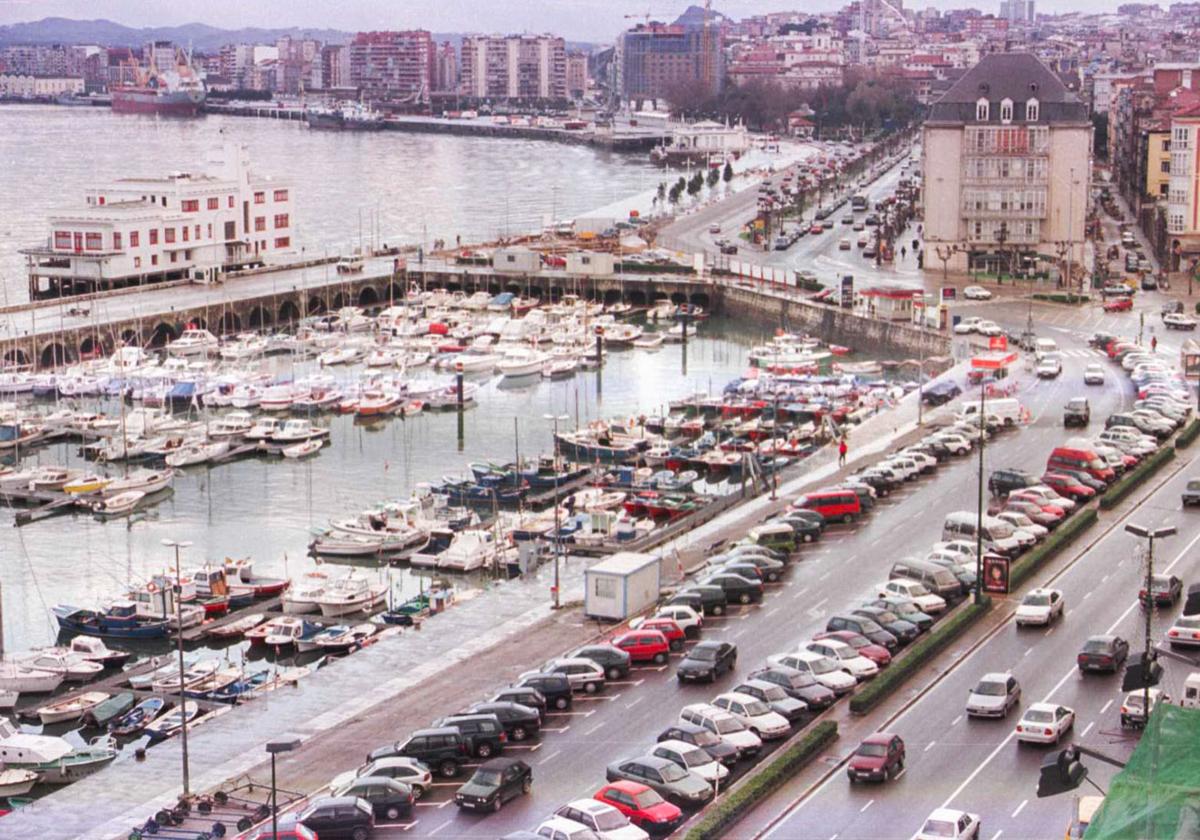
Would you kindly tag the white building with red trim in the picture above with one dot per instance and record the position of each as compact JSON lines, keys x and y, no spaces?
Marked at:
{"x":182,"y":226}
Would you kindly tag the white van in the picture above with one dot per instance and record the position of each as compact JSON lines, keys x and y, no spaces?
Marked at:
{"x":997,"y":535}
{"x":1008,"y":409}
{"x":1043,"y":347}
{"x":1191,"y":691}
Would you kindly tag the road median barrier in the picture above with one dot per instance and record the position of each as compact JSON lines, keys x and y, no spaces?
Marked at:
{"x":1061,"y":297}
{"x":1189,"y":434}
{"x":1054,"y":544}
{"x":763,"y":782}
{"x":934,"y":642}
{"x":1134,"y":478}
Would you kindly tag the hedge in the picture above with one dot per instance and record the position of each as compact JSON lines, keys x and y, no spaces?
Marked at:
{"x":1060,"y":297}
{"x":1056,"y":542}
{"x":1117,"y":493}
{"x":917,"y":656}
{"x":765,"y":781}
{"x":1189,"y":434}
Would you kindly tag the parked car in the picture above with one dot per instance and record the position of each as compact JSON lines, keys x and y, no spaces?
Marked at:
{"x":823,"y":669}
{"x":707,"y":661}
{"x":705,"y":739}
{"x":754,"y":714}
{"x":611,"y":658}
{"x":484,"y":734}
{"x":493,"y":783}
{"x":916,"y":592}
{"x":411,"y":772}
{"x":389,"y":799}
{"x":976,"y":293}
{"x":338,"y":817}
{"x":644,"y":807}
{"x":801,"y":685}
{"x":672,"y":782}
{"x":846,"y":657}
{"x":556,"y":688}
{"x":1179,"y":321}
{"x":993,"y":696}
{"x":523,"y":696}
{"x":1103,"y":653}
{"x":904,"y":631}
{"x":737,"y":588}
{"x":442,"y":749}
{"x":864,"y":626}
{"x":902,"y":607}
{"x":644,"y":646}
{"x":778,"y":700}
{"x":1003,"y":481}
{"x":605,"y":821}
{"x":731,"y":730}
{"x":519,"y":722}
{"x":693,"y":759}
{"x":712,"y":598}
{"x":878,"y":758}
{"x":583,"y":674}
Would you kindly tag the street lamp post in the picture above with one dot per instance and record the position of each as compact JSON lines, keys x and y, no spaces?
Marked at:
{"x":557,"y":510}
{"x":176,"y":545}
{"x":285,"y":743}
{"x":979,"y":509}
{"x":1150,"y":535}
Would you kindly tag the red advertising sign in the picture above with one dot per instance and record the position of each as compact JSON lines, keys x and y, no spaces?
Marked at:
{"x":995,"y":574}
{"x":998,"y":342}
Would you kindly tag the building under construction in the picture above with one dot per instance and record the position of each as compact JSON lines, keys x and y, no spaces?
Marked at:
{"x":654,"y":59}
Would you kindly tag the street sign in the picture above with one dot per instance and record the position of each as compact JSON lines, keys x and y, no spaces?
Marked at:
{"x":995,"y":574}
{"x":847,"y":291}
{"x":948,"y":294}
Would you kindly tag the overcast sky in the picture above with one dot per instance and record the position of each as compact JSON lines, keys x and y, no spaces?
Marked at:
{"x":584,"y":20}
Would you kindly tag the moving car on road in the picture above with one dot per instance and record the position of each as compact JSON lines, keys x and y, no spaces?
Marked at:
{"x":1191,"y":493}
{"x":1093,"y":374}
{"x":1103,"y":653}
{"x":948,"y":824}
{"x":1133,"y":712}
{"x":1185,"y":632}
{"x":976,"y":293}
{"x":994,"y":696}
{"x":1039,"y":606}
{"x":1049,"y":368}
{"x":878,"y":758}
{"x":1077,"y":412}
{"x":1118,"y":304}
{"x":1179,"y":321}
{"x":1045,"y":723}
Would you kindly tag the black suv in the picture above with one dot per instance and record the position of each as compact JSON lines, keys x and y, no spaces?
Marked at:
{"x":523,"y":696}
{"x":494,"y":783}
{"x":713,"y":599}
{"x":519,"y":722}
{"x":1077,"y":412}
{"x":707,"y":661}
{"x":556,"y":688}
{"x":338,"y":817}
{"x":1003,"y":482}
{"x":484,"y":733}
{"x":611,"y":658}
{"x":442,"y":749}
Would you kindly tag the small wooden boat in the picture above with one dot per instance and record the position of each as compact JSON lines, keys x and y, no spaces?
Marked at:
{"x":340,"y":638}
{"x":649,"y":341}
{"x":118,"y":505}
{"x":302,"y":450}
{"x":282,"y":631}
{"x":112,"y":708}
{"x":170,"y":682}
{"x":246,"y":686}
{"x":137,"y":718}
{"x":72,"y":708}
{"x":237,"y":628}
{"x":17,"y":782}
{"x":170,"y":723}
{"x":217,"y":681}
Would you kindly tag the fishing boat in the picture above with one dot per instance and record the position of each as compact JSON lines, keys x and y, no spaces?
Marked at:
{"x":25,"y":680}
{"x":218,"y":680}
{"x":119,"y":621}
{"x":114,"y":707}
{"x":374,"y":402}
{"x":72,"y":708}
{"x":136,"y":719}
{"x":17,"y":781}
{"x":73,"y":667}
{"x":94,"y":650}
{"x":340,"y":638}
{"x":238,"y":627}
{"x":118,"y":505}
{"x":209,"y":585}
{"x":243,"y":687}
{"x":169,"y":723}
{"x":172,"y":683}
{"x":302,"y":450}
{"x":155,"y":600}
{"x":282,"y":631}
{"x":86,"y":483}
{"x":302,"y":598}
{"x":351,"y":594}
{"x":407,"y":613}
{"x":245,"y":581}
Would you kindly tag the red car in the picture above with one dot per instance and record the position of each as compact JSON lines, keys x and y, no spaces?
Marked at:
{"x":1122,"y":304}
{"x":673,"y":632}
{"x":865,"y":647}
{"x":644,"y":646}
{"x":1064,"y":485}
{"x":642,"y":805}
{"x":817,"y":228}
{"x":878,"y":758}
{"x":1048,"y":507}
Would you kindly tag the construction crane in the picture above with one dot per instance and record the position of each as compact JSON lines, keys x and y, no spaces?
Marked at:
{"x":644,"y":17}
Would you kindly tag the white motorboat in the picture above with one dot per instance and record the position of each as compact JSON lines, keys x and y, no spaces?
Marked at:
{"x":146,"y":480}
{"x":245,"y":395}
{"x":197,"y":453}
{"x":351,"y":594}
{"x":473,"y":362}
{"x":118,"y":504}
{"x":72,"y":708}
{"x":235,"y":424}
{"x":522,"y":361}
{"x":264,"y":428}
{"x":279,"y":397}
{"x":649,"y":341}
{"x":245,"y":346}
{"x":298,"y":430}
{"x":302,"y":450}
{"x":468,"y":551}
{"x":25,"y":680}
{"x":621,"y":335}
{"x":560,"y":368}
{"x":24,"y":751}
{"x":8,"y":698}
{"x":17,"y":782}
{"x":52,"y":478}
{"x":384,"y":357}
{"x":193,"y":342}
{"x":344,"y":354}
{"x":72,"y":666}
{"x":93,"y":649}
{"x":302,"y":597}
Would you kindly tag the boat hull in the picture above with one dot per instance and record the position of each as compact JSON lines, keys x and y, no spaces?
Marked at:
{"x":149,"y":101}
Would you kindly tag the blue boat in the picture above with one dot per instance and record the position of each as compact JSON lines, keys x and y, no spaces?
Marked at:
{"x":234,"y":691}
{"x":119,"y":621}
{"x":135,"y":720}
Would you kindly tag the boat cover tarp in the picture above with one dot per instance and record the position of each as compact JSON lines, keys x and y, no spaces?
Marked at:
{"x":182,"y":391}
{"x":1157,"y":795}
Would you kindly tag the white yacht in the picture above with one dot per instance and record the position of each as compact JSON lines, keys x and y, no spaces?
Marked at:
{"x":25,"y":680}
{"x":235,"y":424}
{"x":351,"y":594}
{"x":18,"y":749}
{"x":522,"y":361}
{"x":72,"y":666}
{"x":193,"y":342}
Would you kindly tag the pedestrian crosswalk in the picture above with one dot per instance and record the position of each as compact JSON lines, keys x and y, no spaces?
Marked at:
{"x":1083,"y":353}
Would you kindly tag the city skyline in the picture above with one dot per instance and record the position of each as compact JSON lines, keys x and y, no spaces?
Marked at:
{"x":581,"y":20}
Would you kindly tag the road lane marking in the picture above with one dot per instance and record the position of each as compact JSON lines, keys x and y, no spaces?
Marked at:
{"x":901,"y":773}
{"x":635,"y":702}
{"x":956,"y":720}
{"x":1020,"y":808}
{"x":1087,"y":729}
{"x":629,"y":682}
{"x":530,"y":747}
{"x":997,"y":834}
{"x":595,"y":698}
{"x":434,"y":831}
{"x":588,"y":713}
{"x":552,"y":755}
{"x":1106,"y":705}
{"x":595,"y":728}
{"x":818,"y":605}
{"x":1105,"y":578}
{"x":555,"y":729}
{"x":870,"y":802}
{"x":929,"y":746}
{"x":1087,"y":595}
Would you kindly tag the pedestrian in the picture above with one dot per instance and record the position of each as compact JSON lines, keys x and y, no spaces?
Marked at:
{"x":842,"y":452}
{"x":1153,"y":343}
{"x":903,"y":252}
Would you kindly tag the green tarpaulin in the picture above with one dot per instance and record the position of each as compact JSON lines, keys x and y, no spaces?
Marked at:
{"x":1157,"y":795}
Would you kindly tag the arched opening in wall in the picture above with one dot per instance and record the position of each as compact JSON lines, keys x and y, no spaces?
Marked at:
{"x":260,"y":317}
{"x":368,"y":297}
{"x":163,"y":334}
{"x":395,"y":292}
{"x":16,"y":357}
{"x":129,"y":338}
{"x":289,"y":312}
{"x":229,"y":323}
{"x":636,"y":297}
{"x":678,"y":297}
{"x":54,"y":355}
{"x":699,"y":299}
{"x":316,"y":305}
{"x":90,"y":348}
{"x":612,"y":296}
{"x":339,"y":300}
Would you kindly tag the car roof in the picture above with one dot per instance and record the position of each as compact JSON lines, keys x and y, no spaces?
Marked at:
{"x":946,"y":814}
{"x":736,"y":696}
{"x":628,"y":786}
{"x":501,"y":763}
{"x":675,"y":744}
{"x":436,"y":730}
{"x":562,"y":824}
{"x":833,"y":642}
{"x":1041,"y":707}
{"x":879,"y":738}
{"x":995,"y":676}
{"x":593,"y":806}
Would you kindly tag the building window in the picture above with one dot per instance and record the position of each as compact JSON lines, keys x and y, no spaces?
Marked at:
{"x":981,"y":110}
{"x":185,"y":233}
{"x":230,"y":204}
{"x":154,"y":259}
{"x":260,"y":223}
{"x":62,"y":240}
{"x":1164,"y":166}
{"x":1032,"y":108}
{"x":187,"y":255}
{"x":168,"y":235}
{"x":134,"y":238}
{"x":1162,"y":190}
{"x":281,"y":195}
{"x":281,"y":220}
{"x":95,"y":242}
{"x":190,"y":205}
{"x":260,"y":198}
{"x":283,"y":242}
{"x":1006,"y":110}
{"x":214,"y":203}
{"x":137,"y":262}
{"x":116,"y":240}
{"x":153,"y":236}
{"x":1166,"y":145}
{"x":196,"y":232}
{"x":209,"y":231}
{"x":174,"y":256}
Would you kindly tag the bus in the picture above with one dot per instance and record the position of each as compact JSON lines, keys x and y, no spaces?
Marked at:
{"x":858,"y":202}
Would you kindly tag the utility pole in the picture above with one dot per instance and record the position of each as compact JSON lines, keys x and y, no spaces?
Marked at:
{"x":1150,"y":535}
{"x":179,"y":640}
{"x":979,"y":509}
{"x":557,"y":509}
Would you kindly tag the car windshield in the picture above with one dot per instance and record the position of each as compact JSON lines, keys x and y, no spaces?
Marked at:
{"x":1036,"y":600}
{"x":487,"y":778}
{"x":990,"y":689}
{"x":695,"y":758}
{"x":1039,"y":716}
{"x":1096,"y":646}
{"x":1188,"y":623}
{"x":938,"y":828}
{"x":728,"y":725}
{"x":610,"y":820}
{"x":704,"y":738}
{"x":773,"y":693}
{"x":1134,"y":700}
{"x":672,"y":773}
{"x":647,"y":799}
{"x":756,"y":707}
{"x":873,"y":750}
{"x":821,"y":665}
{"x":856,"y":641}
{"x":1019,"y":518}
{"x":703,"y":654}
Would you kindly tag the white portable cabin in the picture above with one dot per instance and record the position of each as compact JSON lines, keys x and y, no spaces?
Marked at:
{"x":1191,"y":691}
{"x":621,"y":585}
{"x":590,"y":262}
{"x":516,"y":261}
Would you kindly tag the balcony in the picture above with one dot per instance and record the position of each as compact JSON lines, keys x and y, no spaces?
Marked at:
{"x":971,"y":213}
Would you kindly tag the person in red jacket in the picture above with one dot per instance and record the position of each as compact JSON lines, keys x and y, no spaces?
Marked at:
{"x":842,"y":452}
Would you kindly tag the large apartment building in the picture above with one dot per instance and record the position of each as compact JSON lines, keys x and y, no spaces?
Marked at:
{"x":146,"y":230}
{"x":513,"y":67}
{"x":653,"y":60}
{"x":394,"y":66}
{"x":1007,"y":160}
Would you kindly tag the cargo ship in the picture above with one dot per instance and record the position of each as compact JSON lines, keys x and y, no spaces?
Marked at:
{"x":179,"y":92}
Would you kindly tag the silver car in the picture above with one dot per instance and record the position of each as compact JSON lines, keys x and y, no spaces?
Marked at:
{"x":994,"y":696}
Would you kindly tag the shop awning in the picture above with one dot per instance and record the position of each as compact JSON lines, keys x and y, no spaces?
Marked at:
{"x":993,"y":360}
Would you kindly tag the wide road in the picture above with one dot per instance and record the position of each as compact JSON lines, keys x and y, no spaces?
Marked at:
{"x":569,"y":760}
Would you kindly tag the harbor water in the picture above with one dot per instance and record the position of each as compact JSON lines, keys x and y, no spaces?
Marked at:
{"x":375,"y":187}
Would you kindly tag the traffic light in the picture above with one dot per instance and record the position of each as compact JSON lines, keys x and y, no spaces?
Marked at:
{"x":1141,"y":675}
{"x":1061,"y":772}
